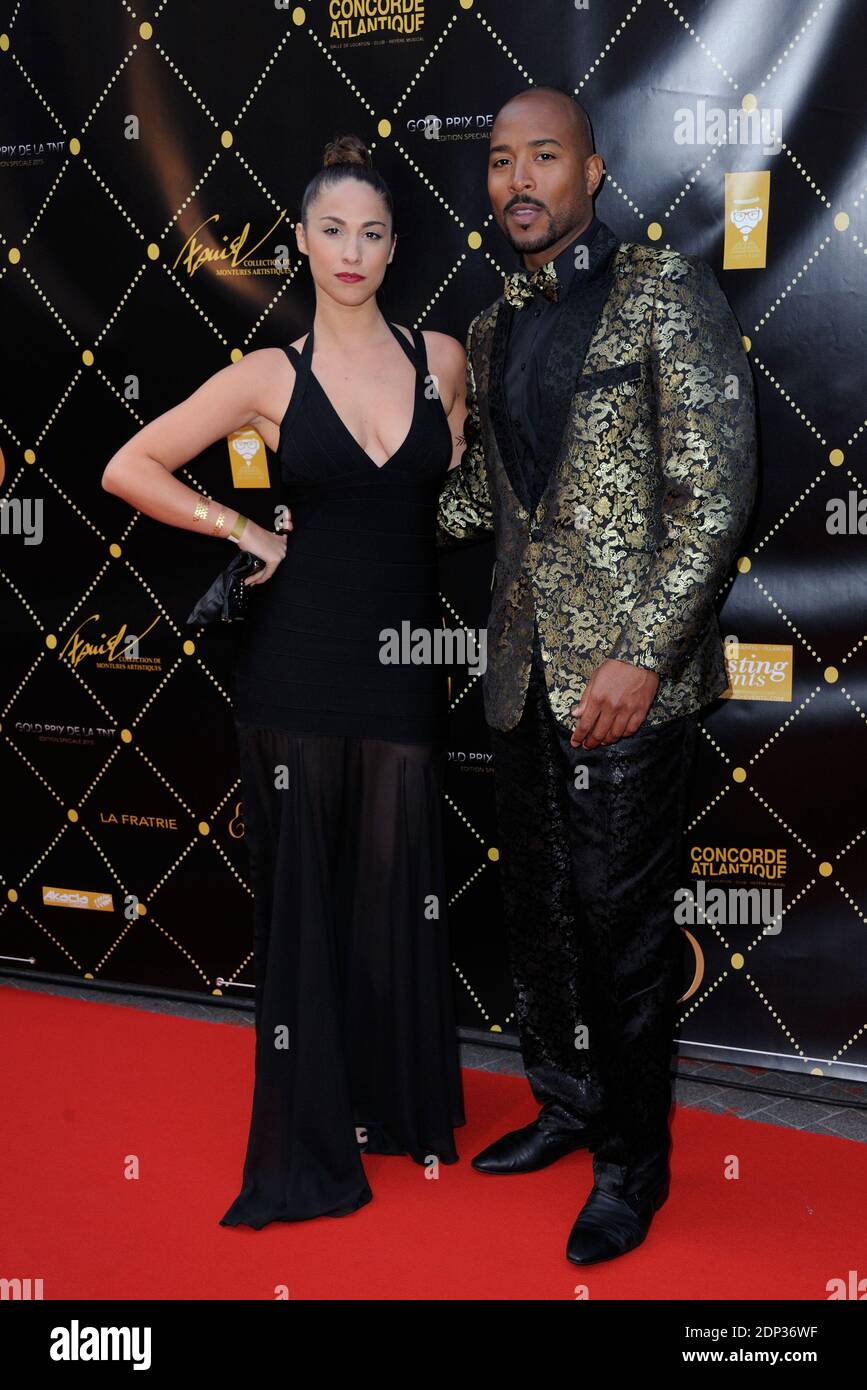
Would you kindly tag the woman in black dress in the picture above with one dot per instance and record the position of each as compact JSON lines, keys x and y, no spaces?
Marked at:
{"x":341,"y":753}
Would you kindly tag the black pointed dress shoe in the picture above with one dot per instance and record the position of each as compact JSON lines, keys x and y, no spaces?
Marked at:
{"x":608,"y":1225}
{"x":530,"y":1148}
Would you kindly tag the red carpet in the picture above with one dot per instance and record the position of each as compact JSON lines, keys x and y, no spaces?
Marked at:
{"x":87,"y":1085}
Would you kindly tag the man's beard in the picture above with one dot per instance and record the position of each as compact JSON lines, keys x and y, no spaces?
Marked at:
{"x":542,"y":239}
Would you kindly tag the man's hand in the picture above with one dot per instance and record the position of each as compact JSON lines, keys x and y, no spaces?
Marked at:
{"x":615,"y":703}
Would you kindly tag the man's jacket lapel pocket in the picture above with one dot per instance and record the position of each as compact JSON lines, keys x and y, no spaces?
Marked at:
{"x":608,"y":376}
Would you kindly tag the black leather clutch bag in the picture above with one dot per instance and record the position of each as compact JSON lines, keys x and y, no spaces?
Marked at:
{"x":226,"y":600}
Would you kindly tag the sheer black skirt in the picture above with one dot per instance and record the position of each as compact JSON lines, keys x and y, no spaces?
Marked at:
{"x":356,"y":1045}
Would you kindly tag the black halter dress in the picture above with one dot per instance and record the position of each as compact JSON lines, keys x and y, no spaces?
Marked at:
{"x":341,"y":757}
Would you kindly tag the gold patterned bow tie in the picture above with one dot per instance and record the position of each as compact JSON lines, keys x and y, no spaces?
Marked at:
{"x":519,"y":286}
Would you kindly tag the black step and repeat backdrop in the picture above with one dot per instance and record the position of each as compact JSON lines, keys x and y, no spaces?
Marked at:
{"x":153,"y":159}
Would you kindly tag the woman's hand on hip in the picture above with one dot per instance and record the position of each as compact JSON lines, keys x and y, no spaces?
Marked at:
{"x":268,"y":545}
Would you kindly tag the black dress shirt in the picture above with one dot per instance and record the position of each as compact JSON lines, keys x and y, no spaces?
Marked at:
{"x":530,"y":334}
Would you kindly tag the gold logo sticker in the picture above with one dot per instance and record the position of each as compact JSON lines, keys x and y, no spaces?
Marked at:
{"x":746,"y":232}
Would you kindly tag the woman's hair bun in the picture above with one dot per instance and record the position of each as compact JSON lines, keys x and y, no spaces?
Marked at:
{"x":345,"y":157}
{"x":347,"y":149}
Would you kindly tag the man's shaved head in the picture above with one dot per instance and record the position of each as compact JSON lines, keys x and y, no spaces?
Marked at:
{"x":580,"y":121}
{"x":543,"y":171}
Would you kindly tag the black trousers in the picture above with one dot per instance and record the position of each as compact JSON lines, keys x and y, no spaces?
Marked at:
{"x":588,"y":876}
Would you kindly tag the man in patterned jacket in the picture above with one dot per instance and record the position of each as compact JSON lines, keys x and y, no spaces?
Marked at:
{"x":611,"y":452}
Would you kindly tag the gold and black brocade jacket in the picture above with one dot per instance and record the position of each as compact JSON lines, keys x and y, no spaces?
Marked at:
{"x":650,"y":423}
